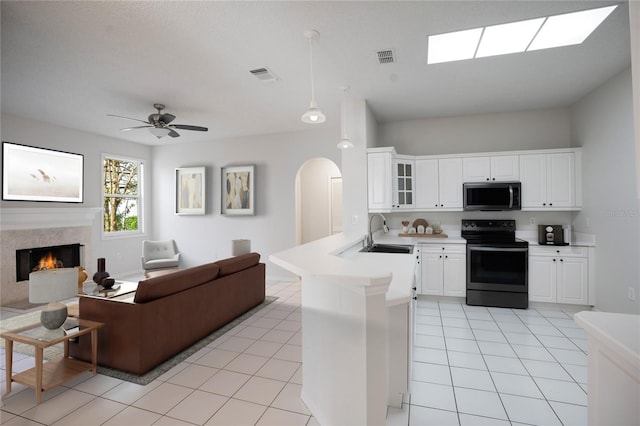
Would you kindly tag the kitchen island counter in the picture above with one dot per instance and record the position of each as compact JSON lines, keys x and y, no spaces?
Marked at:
{"x":356,"y":315}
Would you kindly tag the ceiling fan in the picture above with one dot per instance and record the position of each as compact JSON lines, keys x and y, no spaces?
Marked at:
{"x":159,"y":124}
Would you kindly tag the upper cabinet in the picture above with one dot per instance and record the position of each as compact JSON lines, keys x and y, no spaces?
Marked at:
{"x":379,"y":179}
{"x":403,"y":184}
{"x":551,"y":179}
{"x":497,"y":168}
{"x":438,"y":184}
{"x":390,"y":181}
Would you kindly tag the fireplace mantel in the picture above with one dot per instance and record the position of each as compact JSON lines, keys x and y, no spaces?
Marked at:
{"x":38,"y":218}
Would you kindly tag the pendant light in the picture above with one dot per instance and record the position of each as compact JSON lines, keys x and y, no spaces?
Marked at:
{"x":344,"y":143}
{"x":313,"y":115}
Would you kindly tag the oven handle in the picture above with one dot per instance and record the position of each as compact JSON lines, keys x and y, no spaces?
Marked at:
{"x":510,"y":196}
{"x":476,"y":248}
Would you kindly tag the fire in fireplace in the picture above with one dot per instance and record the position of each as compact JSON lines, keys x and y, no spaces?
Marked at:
{"x":39,"y":258}
{"x":48,"y":261}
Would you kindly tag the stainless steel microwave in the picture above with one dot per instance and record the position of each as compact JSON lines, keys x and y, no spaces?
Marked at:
{"x":492,"y":196}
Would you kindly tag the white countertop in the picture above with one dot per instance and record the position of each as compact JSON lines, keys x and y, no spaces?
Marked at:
{"x":338,"y":256}
{"x":618,"y":332}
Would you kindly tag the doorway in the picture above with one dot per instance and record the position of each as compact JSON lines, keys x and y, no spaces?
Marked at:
{"x":318,"y":200}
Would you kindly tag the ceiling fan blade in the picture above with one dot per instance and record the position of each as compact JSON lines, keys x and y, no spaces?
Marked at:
{"x":128,"y":118}
{"x":173,"y":133}
{"x":167,"y":118}
{"x":188,"y":127}
{"x":136,"y":127}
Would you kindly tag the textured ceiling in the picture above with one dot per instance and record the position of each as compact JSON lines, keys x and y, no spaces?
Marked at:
{"x":71,"y":63}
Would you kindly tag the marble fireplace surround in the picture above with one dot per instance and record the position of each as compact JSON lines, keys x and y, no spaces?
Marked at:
{"x":22,"y":228}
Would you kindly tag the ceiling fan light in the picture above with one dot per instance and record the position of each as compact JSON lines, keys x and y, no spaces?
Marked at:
{"x":159,"y":131}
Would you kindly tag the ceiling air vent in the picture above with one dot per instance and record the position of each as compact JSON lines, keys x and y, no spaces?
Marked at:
{"x":386,"y":56}
{"x":264,"y":74}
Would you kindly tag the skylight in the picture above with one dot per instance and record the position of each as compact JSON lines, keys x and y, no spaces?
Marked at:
{"x":515,"y":37}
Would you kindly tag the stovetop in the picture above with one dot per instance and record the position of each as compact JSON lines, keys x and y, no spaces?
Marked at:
{"x":499,"y":231}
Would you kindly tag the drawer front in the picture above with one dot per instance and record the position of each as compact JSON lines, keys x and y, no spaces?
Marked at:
{"x":566,"y":251}
{"x":443,"y":248}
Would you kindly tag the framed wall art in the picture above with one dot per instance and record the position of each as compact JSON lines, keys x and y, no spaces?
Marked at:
{"x":39,"y":174}
{"x":190,"y":190}
{"x":238,"y":190}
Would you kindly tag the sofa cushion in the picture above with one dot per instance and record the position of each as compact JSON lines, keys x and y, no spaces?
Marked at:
{"x":155,"y":288}
{"x":237,"y":263}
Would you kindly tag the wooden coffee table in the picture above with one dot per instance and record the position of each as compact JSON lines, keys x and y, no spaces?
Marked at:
{"x":45,"y":376}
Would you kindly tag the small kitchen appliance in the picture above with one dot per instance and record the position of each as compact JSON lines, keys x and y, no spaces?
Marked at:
{"x":554,"y":235}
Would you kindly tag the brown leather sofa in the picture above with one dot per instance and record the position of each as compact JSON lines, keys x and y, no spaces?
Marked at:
{"x":170,"y":312}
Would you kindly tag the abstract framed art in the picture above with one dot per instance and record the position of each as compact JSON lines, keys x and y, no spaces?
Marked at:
{"x":190,"y":190}
{"x":39,"y":174}
{"x":238,"y":190}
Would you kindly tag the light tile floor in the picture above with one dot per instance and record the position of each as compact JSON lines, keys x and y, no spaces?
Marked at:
{"x":472,"y":365}
{"x":476,"y":365}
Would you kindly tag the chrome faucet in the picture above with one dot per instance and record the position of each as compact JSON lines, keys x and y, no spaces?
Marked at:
{"x":385,"y":228}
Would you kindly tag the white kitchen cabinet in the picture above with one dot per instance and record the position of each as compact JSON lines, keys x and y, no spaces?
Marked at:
{"x":403,"y":184}
{"x":551,"y":179}
{"x":548,"y":181}
{"x":438,"y":184}
{"x":559,"y":275}
{"x":443,"y":270}
{"x":379,"y":181}
{"x":498,"y":168}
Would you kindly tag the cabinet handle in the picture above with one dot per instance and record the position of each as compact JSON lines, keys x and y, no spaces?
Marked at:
{"x":415,"y":288}
{"x":441,"y":205}
{"x":554,"y":260}
{"x":561,"y":260}
{"x":544,"y":204}
{"x":436,"y":205}
{"x":557,"y":251}
{"x":446,"y":257}
{"x":550,"y":204}
{"x":415,"y":297}
{"x":494,"y":178}
{"x":440,"y":256}
{"x":487,"y":178}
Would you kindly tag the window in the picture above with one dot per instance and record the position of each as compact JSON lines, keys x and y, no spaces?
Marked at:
{"x":122,"y":195}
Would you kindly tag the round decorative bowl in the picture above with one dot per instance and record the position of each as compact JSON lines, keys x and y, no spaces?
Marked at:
{"x":107,"y":283}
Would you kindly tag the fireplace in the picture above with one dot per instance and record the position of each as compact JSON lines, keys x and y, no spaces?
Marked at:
{"x":39,"y":258}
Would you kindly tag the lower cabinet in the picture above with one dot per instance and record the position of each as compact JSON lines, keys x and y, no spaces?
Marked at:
{"x":559,"y":275}
{"x":443,"y":270}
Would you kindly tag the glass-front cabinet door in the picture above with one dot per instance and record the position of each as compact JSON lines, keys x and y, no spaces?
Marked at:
{"x":403,"y":184}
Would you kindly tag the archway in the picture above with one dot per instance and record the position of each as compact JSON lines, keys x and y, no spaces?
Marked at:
{"x":318,"y":200}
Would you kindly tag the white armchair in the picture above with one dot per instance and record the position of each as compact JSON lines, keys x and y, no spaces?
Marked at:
{"x":159,"y":255}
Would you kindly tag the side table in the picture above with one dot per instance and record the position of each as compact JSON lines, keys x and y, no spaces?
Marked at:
{"x":45,"y":376}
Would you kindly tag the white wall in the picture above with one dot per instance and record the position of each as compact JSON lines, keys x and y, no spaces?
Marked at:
{"x":602,"y":123}
{"x":315,"y":216}
{"x":536,"y":129}
{"x":123,"y":254}
{"x":277,"y":159}
{"x":361,"y":128}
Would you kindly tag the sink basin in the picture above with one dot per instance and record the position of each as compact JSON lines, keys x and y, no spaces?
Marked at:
{"x":388,"y":248}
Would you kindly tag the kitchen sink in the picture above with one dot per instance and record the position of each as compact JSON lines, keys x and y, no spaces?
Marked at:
{"x":388,"y":248}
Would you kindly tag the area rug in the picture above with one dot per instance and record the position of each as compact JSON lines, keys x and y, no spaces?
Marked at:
{"x":144,"y":379}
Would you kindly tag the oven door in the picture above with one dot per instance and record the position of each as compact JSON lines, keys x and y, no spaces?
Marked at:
{"x":497,"y":267}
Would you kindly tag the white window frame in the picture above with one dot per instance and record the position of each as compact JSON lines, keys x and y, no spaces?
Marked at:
{"x":140,"y":197}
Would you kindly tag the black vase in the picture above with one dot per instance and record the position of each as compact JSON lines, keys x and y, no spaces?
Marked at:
{"x":101,"y":274}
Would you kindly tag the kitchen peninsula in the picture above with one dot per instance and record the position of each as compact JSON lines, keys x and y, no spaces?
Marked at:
{"x":356,"y":316}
